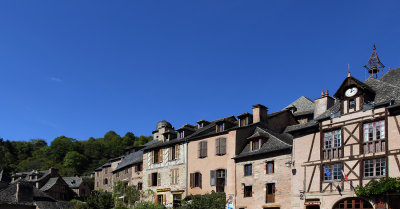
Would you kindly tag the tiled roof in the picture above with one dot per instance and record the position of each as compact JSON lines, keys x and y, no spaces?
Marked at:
{"x":303,"y":106}
{"x":130,"y":159}
{"x":274,"y":142}
{"x":73,"y":182}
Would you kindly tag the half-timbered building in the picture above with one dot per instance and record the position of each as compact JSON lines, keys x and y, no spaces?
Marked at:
{"x":353,"y":139}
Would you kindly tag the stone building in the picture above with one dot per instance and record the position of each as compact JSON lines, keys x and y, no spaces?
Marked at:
{"x":78,"y":185}
{"x":263,"y":173}
{"x":24,"y":195}
{"x":353,"y":139}
{"x":211,"y":162}
{"x":164,"y":170}
{"x":104,"y":176}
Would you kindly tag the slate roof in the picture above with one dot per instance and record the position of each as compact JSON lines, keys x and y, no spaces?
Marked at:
{"x":392,"y":77}
{"x":130,"y":159}
{"x":73,"y":182}
{"x":274,"y":142}
{"x":25,"y":175}
{"x":303,"y":105}
{"x":50,"y":183}
{"x":4,"y":177}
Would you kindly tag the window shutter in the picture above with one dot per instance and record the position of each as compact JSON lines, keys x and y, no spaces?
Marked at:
{"x":191,"y":180}
{"x":251,"y":145}
{"x":155,"y":199}
{"x":169,"y":153}
{"x":164,"y":200}
{"x":204,"y":148}
{"x":200,"y":145}
{"x":152,"y":157}
{"x":200,"y":178}
{"x":212,"y":177}
{"x":223,"y":146}
{"x":158,"y":179}
{"x":161,"y":155}
{"x":149,"y":180}
{"x":226,"y":175}
{"x":218,"y":147}
{"x":177,"y":151}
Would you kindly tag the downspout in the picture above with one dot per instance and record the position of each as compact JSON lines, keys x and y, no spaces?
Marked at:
{"x":187,"y":165}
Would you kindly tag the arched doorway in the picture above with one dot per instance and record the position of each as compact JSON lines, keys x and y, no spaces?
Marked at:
{"x":353,"y":203}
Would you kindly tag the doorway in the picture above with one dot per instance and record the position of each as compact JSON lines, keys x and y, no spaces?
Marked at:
{"x":353,"y":203}
{"x":221,"y":176}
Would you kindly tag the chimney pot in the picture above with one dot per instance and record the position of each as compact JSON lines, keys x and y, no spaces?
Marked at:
{"x":322,"y":94}
{"x":326,"y":93}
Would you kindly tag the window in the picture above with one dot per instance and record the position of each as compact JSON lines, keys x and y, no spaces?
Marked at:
{"x":374,"y":137}
{"x":375,"y":167}
{"x":105,"y":181}
{"x":352,"y":104}
{"x":255,"y":144}
{"x":202,"y":149}
{"x":270,"y":196}
{"x":117,"y":174}
{"x":336,"y":140}
{"x":97,"y":184}
{"x":332,"y":172}
{"x":221,"y":180}
{"x":97,"y":174}
{"x":270,"y":167}
{"x":220,"y":127}
{"x":248,"y":170}
{"x":174,"y":176}
{"x":138,"y":167}
{"x":244,"y":122}
{"x":195,"y":180}
{"x":106,"y":170}
{"x":332,"y":144}
{"x":140,"y":186}
{"x":126,"y":171}
{"x":173,"y":152}
{"x":220,"y":146}
{"x":374,"y":130}
{"x":154,"y":179}
{"x":157,"y":156}
{"x":248,"y":191}
{"x":181,"y":134}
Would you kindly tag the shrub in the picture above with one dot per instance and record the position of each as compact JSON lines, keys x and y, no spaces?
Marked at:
{"x":148,"y":205}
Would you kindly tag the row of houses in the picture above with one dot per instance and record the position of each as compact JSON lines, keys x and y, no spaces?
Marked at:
{"x":40,"y":189}
{"x":311,"y":154}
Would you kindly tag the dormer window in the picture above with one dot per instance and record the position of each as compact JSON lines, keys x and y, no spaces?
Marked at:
{"x":352,"y":104}
{"x":220,"y":127}
{"x":244,"y":121}
{"x":200,"y":125}
{"x":255,"y":144}
{"x":181,"y":134}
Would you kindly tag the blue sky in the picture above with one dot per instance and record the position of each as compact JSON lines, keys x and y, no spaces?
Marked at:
{"x":82,"y":68}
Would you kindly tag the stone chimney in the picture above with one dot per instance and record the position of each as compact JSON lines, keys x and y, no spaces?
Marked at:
{"x":260,"y":113}
{"x":53,"y":172}
{"x":322,"y":104}
{"x":24,"y":192}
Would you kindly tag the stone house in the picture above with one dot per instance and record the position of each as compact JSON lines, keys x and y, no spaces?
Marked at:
{"x":78,"y":185}
{"x":164,"y":170}
{"x":24,"y":195}
{"x":353,"y":139}
{"x":211,"y":162}
{"x":263,"y":173}
{"x":104,"y":176}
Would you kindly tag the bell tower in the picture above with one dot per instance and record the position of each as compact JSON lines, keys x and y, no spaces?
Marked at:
{"x":374,"y":65}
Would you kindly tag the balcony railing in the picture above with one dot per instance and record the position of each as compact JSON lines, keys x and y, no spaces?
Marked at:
{"x":374,"y":146}
{"x":331,"y":153}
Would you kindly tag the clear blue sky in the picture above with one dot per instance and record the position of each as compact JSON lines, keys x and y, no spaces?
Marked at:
{"x":82,"y":68}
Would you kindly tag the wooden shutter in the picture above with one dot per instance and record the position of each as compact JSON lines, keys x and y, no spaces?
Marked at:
{"x":204,"y":149}
{"x":155,"y":199}
{"x":223,"y":146}
{"x":251,"y":145}
{"x":158,"y":179}
{"x":177,"y":151}
{"x":226,"y":176}
{"x":191,"y":180}
{"x":199,"y":149}
{"x":149,"y":180}
{"x":200,"y":178}
{"x":164,"y":199}
{"x":161,"y":155}
{"x":170,"y":153}
{"x":212,"y":177}
{"x":218,"y":147}
{"x":152,"y":157}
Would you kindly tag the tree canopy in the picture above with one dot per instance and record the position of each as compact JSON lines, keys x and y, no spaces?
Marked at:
{"x":70,"y":156}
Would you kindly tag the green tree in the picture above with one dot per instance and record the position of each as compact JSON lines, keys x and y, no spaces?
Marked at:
{"x":76,"y":161}
{"x":149,"y":205}
{"x":213,"y":200}
{"x":61,"y":146}
{"x":100,"y":200}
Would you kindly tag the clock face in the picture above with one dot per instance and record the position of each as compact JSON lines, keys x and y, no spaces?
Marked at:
{"x":351,"y":92}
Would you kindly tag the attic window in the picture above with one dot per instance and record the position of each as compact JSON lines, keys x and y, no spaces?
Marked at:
{"x":220,"y":127}
{"x":244,"y":121}
{"x":201,"y":125}
{"x":352,"y":104}
{"x":181,"y":134}
{"x":255,"y":144}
